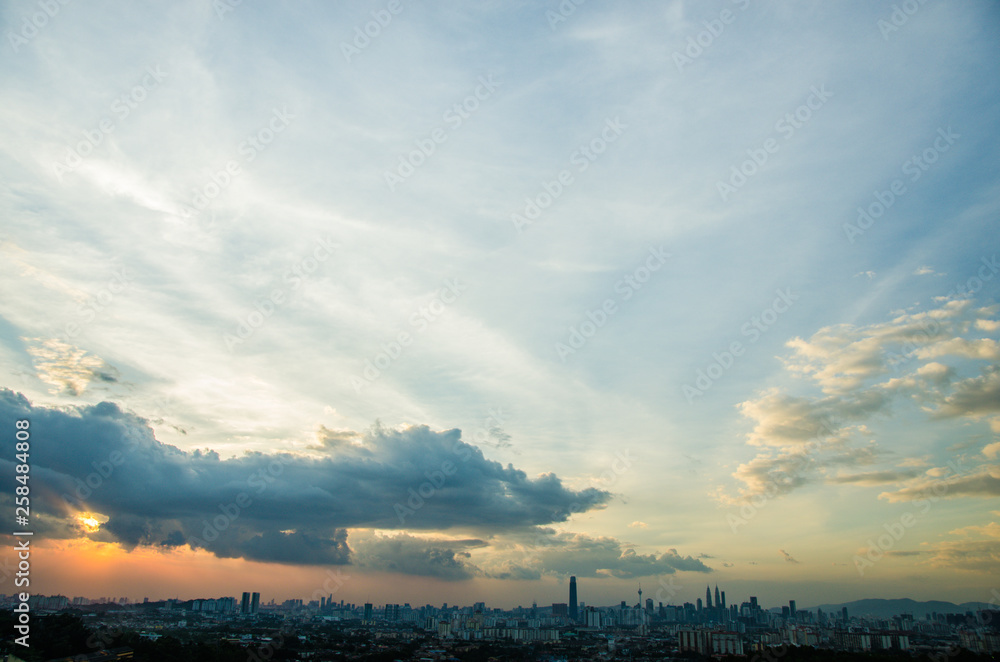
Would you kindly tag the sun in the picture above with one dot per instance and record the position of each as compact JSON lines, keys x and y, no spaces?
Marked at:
{"x":88,"y":522}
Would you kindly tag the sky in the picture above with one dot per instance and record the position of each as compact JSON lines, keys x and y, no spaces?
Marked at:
{"x":448,"y":302}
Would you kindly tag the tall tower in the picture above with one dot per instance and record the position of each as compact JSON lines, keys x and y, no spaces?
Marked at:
{"x":640,"y":595}
{"x":572,"y":599}
{"x":708,"y":597}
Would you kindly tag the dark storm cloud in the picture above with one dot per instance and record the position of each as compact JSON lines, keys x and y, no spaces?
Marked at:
{"x":410,"y":555}
{"x":587,"y":556}
{"x":273,"y":507}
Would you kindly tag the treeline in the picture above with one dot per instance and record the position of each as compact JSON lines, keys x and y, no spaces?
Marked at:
{"x":810,"y":654}
{"x":65,"y":635}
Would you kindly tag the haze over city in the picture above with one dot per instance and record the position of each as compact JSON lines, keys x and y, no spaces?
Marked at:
{"x":454,"y":302}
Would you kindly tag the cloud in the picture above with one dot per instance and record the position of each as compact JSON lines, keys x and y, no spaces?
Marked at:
{"x":410,"y":555}
{"x":936,"y":372}
{"x":507,"y":569}
{"x":333,"y":439}
{"x":927,"y":271}
{"x":841,"y":358}
{"x":984,"y":481}
{"x":788,"y":557}
{"x":976,"y":396}
{"x":804,"y":437}
{"x":278,"y":507}
{"x":877,"y":477}
{"x":976,"y":348}
{"x":67,"y":369}
{"x":586,"y":556}
{"x":976,"y":550}
{"x":779,"y":471}
{"x":638,"y":525}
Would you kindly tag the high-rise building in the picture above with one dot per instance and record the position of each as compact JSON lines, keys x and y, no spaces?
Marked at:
{"x":245,"y":603}
{"x":708,"y":597}
{"x":723,"y":605}
{"x":254,"y":602}
{"x":718,"y":602}
{"x":573,"y":604}
{"x":368,"y":612}
{"x":791,"y":608}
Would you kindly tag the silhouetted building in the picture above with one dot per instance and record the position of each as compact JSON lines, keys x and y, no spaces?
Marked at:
{"x":245,"y":603}
{"x":560,"y":609}
{"x":254,"y":602}
{"x":573,"y":614}
{"x":706,"y":642}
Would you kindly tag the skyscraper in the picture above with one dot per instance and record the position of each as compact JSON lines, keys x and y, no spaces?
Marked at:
{"x":245,"y":603}
{"x":723,"y":605}
{"x":708,"y":597}
{"x":718,"y":602}
{"x":572,"y":599}
{"x":254,"y":602}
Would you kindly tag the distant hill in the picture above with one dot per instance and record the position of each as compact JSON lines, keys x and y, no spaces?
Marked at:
{"x":880,"y":608}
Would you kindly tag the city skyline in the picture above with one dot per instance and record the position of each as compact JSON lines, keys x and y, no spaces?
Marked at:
{"x":463,"y":302}
{"x":248,"y":603}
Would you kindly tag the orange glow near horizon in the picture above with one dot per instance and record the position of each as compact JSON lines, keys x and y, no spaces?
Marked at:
{"x":93,"y":569}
